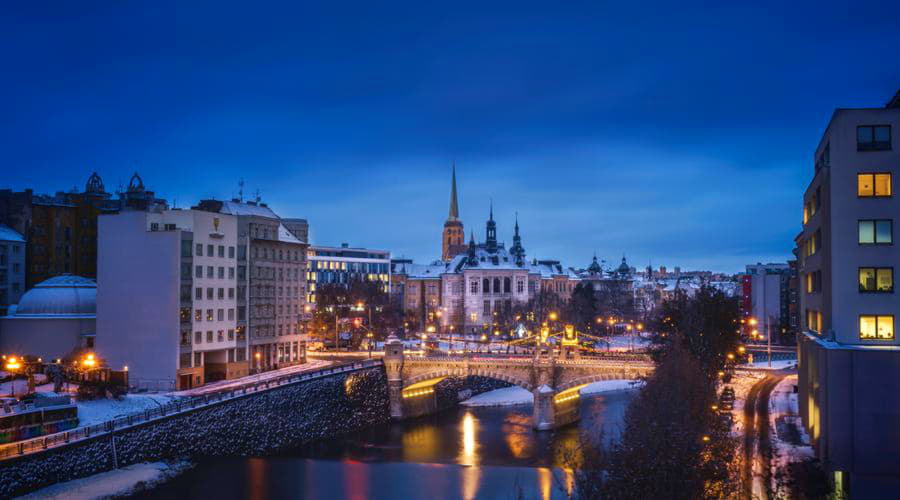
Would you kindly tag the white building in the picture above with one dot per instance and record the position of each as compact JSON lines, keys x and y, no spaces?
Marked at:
{"x":849,"y":350}
{"x":271,"y":283}
{"x":55,"y":319}
{"x":12,"y":267}
{"x":167,"y":298}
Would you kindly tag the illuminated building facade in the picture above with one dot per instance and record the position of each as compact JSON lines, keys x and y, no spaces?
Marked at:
{"x":271,"y":283}
{"x":849,"y":351}
{"x":345,"y":264}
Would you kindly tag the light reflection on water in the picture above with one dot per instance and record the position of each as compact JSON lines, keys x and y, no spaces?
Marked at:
{"x":463,"y":453}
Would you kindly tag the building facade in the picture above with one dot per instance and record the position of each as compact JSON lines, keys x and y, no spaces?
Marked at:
{"x":466,"y":292}
{"x":849,"y":353}
{"x":271,"y":285}
{"x":344,"y":265}
{"x":167,"y":307}
{"x":12,"y":267}
{"x":54,"y":320}
{"x":61,"y":230}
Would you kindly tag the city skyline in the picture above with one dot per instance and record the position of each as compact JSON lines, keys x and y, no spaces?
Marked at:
{"x":354,"y":125}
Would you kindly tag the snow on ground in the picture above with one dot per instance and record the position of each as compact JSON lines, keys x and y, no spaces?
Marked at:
{"x":509,"y":396}
{"x":777,"y":364}
{"x":119,"y":482}
{"x":789,"y":439}
{"x":741,"y":382}
{"x":20,"y":385}
{"x":610,"y":385}
{"x":101,"y":410}
{"x":310,"y":365}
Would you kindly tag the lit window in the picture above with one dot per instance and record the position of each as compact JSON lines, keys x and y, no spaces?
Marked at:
{"x":873,"y":185}
{"x":875,"y":232}
{"x":876,"y":327}
{"x":876,"y":279}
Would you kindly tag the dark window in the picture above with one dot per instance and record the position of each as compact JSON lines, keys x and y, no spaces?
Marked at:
{"x":486,"y":286}
{"x":876,"y":232}
{"x":873,"y":138}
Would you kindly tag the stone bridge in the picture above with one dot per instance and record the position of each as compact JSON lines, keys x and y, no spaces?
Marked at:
{"x":555,"y":383}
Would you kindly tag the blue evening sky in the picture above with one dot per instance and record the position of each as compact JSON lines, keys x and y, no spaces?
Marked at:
{"x":681,"y":133}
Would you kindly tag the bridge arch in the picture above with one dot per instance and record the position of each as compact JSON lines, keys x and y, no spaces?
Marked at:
{"x":463,"y":373}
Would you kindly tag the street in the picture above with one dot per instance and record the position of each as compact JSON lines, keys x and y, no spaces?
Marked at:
{"x":756,"y":473}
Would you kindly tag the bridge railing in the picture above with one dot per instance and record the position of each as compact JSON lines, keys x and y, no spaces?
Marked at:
{"x":178,"y":405}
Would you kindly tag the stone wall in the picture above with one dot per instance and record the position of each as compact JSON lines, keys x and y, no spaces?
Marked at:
{"x":255,"y":424}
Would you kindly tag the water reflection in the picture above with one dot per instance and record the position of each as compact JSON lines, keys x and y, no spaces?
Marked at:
{"x":257,"y":479}
{"x":462,"y":453}
{"x":468,"y":430}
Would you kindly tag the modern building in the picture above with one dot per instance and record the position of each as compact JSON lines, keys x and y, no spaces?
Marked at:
{"x":345,"y":264}
{"x":769,"y":296}
{"x":61,"y":230}
{"x":12,"y":267}
{"x":167,"y":301}
{"x":271,"y":282}
{"x":54,"y":320}
{"x":849,"y":351}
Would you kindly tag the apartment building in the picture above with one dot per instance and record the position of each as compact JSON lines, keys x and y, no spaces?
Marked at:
{"x":12,"y":267}
{"x":849,"y":351}
{"x":271,"y":282}
{"x":167,"y":308}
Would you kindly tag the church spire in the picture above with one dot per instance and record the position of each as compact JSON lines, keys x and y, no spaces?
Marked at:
{"x":517,"y":250}
{"x":490,"y":241}
{"x":454,"y":204}
{"x":472,"y":255}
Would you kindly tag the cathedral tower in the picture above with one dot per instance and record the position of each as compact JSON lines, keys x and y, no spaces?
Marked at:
{"x":453,"y":240}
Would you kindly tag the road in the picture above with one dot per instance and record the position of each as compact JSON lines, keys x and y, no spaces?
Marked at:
{"x":756,"y":473}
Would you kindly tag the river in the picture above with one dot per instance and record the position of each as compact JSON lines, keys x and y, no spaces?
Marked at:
{"x":466,"y":453}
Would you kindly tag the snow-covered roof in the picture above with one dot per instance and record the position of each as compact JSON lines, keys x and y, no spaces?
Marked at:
{"x":65,"y":295}
{"x":421,"y":271}
{"x":285,"y":235}
{"x":238,"y":208}
{"x":9,"y":234}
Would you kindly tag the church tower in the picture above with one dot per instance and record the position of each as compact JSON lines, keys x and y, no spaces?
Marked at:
{"x":490,"y":237}
{"x":453,"y":240}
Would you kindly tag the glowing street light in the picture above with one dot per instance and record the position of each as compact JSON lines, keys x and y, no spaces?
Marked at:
{"x":553,"y":316}
{"x":13,"y":364}
{"x":89,"y":361}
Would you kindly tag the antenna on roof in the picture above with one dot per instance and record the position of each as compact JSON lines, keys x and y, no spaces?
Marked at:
{"x":241,"y":190}
{"x":257,"y":196}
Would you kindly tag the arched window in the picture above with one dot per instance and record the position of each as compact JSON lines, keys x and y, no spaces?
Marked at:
{"x":486,"y":286}
{"x":507,"y":285}
{"x":496,"y":285}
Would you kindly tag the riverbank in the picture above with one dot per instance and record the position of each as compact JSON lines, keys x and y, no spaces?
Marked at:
{"x":118,"y":483}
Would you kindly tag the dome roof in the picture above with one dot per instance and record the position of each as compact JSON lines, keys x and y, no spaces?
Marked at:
{"x":65,"y":295}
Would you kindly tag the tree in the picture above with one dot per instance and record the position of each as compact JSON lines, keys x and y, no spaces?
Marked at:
{"x":707,"y":324}
{"x":340,"y":301}
{"x":672,"y":446}
{"x":615,"y":298}
{"x":582,"y":309}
